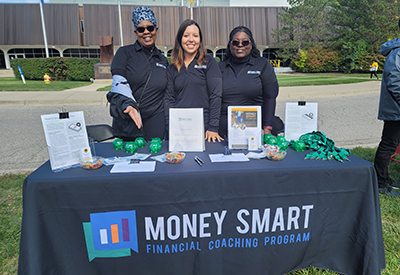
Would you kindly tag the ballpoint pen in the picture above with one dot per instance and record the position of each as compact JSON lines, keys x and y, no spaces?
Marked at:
{"x":199,"y":159}
{"x":198,"y":162}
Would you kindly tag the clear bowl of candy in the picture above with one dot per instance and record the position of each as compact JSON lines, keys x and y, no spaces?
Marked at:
{"x":273,"y":152}
{"x":175,"y":157}
{"x":92,"y":163}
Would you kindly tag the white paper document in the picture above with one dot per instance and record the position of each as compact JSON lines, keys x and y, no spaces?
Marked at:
{"x":228,"y":158}
{"x":300,"y":119}
{"x":65,"y":137}
{"x":127,"y":167}
{"x":186,"y":129}
{"x":244,"y":122}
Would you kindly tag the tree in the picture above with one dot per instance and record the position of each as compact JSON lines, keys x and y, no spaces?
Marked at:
{"x":304,"y":25}
{"x":360,"y":27}
{"x":353,"y":28}
{"x":372,"y":21}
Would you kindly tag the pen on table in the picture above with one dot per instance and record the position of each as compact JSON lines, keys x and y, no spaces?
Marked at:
{"x":198,"y":161}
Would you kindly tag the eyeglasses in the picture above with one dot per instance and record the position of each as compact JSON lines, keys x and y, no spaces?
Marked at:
{"x":149,"y":28}
{"x":237,"y":43}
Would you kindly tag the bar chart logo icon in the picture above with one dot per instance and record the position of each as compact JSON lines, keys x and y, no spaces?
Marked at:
{"x":111,"y":234}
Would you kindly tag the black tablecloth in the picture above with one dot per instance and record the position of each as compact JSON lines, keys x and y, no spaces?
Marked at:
{"x":256,"y":217}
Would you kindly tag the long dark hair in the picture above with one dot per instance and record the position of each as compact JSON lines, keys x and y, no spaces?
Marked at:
{"x":177,"y":51}
{"x":254,"y":51}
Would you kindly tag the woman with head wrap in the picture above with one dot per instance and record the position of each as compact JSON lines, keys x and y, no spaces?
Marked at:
{"x":194,"y":79}
{"x":248,"y":80}
{"x":139,"y":81}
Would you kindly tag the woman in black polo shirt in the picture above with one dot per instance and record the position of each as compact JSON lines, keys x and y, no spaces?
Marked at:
{"x":194,"y":79}
{"x":139,"y":81}
{"x":248,"y":80}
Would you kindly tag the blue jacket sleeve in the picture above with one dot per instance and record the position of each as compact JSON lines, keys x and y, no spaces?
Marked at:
{"x":393,"y":80}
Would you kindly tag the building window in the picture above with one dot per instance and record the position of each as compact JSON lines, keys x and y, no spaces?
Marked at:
{"x":32,"y":53}
{"x":82,"y":53}
{"x":270,"y":54}
{"x":2,"y":60}
{"x":221,"y":54}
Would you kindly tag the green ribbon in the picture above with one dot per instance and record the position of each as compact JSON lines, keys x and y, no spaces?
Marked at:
{"x":323,"y":146}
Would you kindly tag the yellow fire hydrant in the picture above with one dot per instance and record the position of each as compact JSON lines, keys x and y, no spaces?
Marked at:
{"x":46,"y":78}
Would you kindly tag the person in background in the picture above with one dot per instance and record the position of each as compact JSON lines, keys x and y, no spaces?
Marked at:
{"x":374,"y":69}
{"x":139,"y":82}
{"x":194,"y":79}
{"x":248,"y":79}
{"x":389,"y":112}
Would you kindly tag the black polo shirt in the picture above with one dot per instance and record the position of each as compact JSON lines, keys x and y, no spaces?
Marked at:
{"x":196,"y":87}
{"x":255,"y":84}
{"x":133,"y":63}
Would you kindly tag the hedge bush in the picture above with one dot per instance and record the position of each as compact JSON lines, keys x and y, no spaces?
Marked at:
{"x":316,"y":60}
{"x":58,"y":68}
{"x":364,"y":62}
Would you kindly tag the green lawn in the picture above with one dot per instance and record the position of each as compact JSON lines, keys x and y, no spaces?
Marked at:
{"x":13,"y":84}
{"x":11,"y":215}
{"x":287,"y":79}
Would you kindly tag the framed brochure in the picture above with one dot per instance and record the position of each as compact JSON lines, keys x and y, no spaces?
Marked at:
{"x":300,"y":118}
{"x":65,"y":136}
{"x":186,"y":129}
{"x":244,"y":124}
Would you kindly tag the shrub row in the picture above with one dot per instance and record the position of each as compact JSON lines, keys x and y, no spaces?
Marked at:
{"x":58,"y":68}
{"x":318,"y":59}
{"x":313,"y":60}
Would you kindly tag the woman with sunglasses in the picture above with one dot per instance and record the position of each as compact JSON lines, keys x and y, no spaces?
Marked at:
{"x":194,"y":79}
{"x":248,"y":80}
{"x":139,"y":81}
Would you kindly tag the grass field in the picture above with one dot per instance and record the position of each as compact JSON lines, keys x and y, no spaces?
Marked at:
{"x":11,"y":215}
{"x":284,"y":80}
{"x":13,"y":84}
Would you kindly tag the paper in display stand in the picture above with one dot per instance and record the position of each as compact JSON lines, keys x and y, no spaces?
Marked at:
{"x":300,"y":118}
{"x":66,"y":135}
{"x":244,"y":122}
{"x":186,"y":129}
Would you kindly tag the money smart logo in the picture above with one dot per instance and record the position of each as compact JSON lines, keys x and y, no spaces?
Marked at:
{"x":111,"y":234}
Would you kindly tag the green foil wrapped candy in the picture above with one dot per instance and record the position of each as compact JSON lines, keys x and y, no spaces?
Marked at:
{"x":299,"y":145}
{"x":272,"y":140}
{"x":281,"y":138}
{"x":283,"y":145}
{"x":266,"y":137}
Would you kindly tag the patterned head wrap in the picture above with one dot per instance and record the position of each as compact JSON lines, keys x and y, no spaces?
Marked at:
{"x":143,"y":13}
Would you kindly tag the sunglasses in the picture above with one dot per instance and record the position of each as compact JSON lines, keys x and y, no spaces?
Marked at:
{"x":237,"y":43}
{"x":149,"y":28}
